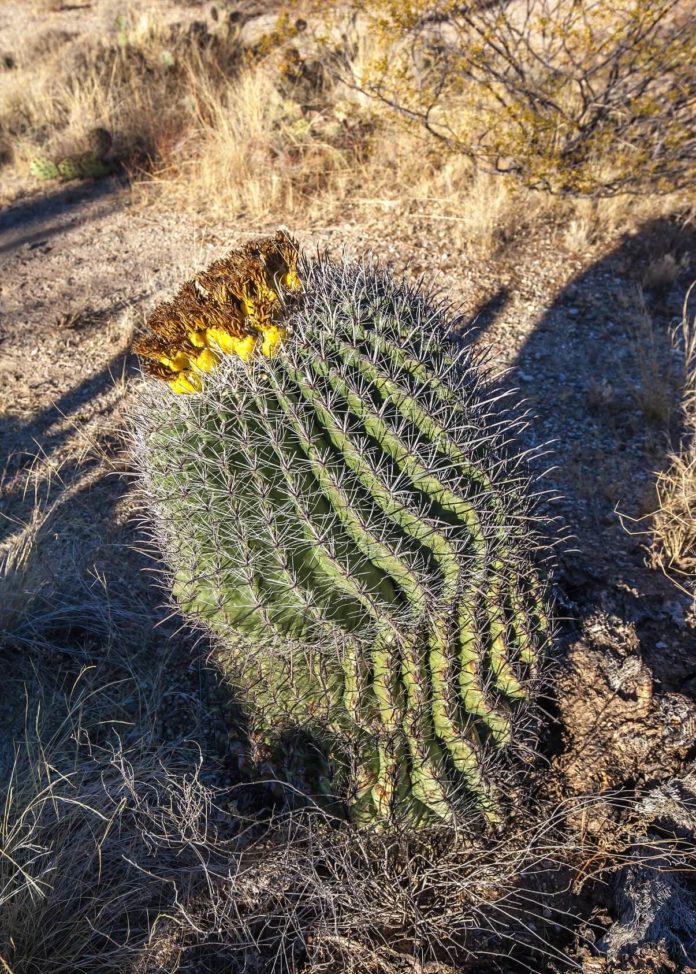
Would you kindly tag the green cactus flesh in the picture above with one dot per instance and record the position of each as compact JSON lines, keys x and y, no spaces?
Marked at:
{"x":70,"y":167}
{"x":43,"y":168}
{"x":91,"y":164}
{"x":348,"y":519}
{"x":99,"y":141}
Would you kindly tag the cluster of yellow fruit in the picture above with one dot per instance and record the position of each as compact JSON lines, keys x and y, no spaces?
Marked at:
{"x":230,"y":309}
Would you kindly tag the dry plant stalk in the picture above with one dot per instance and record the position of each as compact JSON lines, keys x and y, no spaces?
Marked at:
{"x":674,"y":522}
{"x":654,"y":393}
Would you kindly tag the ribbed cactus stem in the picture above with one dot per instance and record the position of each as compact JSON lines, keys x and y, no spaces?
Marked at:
{"x":339,"y":505}
{"x":375,"y":552}
{"x":422,"y":418}
{"x":443,"y":708}
{"x":444,"y":704}
{"x":441,"y":548}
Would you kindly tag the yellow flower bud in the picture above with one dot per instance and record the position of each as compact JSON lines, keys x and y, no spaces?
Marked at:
{"x":272,"y":337}
{"x":291,"y":281}
{"x":231,"y":345}
{"x":223,"y":340}
{"x":244,"y":347}
{"x":177,"y":364}
{"x":197,"y":338}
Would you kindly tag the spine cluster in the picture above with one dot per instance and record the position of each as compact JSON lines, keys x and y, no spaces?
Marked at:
{"x":347,"y":518}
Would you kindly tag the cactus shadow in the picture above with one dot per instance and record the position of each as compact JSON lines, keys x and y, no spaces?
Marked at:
{"x":34,"y":221}
{"x":598,"y":374}
{"x":40,"y":438}
{"x":80,"y":602}
{"x":477,"y":323}
{"x":80,"y":593}
{"x":80,"y":590}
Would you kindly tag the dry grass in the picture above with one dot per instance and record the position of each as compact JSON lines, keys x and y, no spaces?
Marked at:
{"x":222,"y":132}
{"x":658,"y":385}
{"x":250,"y":154}
{"x":75,"y":890}
{"x":78,"y":826}
{"x":131,"y":81}
{"x":193,"y":116}
{"x":674,"y":522}
{"x":117,"y":857}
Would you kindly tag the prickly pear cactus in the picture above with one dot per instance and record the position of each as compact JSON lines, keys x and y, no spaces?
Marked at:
{"x":99,"y":142}
{"x":91,"y":164}
{"x":70,"y":167}
{"x":336,"y":500}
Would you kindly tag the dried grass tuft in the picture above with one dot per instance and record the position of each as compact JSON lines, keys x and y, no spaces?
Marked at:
{"x":118,"y":857}
{"x":674,"y":521}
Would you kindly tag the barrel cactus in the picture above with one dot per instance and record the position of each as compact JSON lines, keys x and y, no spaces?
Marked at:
{"x":337,"y":502}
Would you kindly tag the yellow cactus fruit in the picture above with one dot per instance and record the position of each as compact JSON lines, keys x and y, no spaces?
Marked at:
{"x":233,"y":308}
{"x":206,"y":361}
{"x":177,"y":363}
{"x":223,"y":340}
{"x":186,"y":382}
{"x":291,"y":281}
{"x":244,"y":347}
{"x":197,"y":338}
{"x":272,"y":337}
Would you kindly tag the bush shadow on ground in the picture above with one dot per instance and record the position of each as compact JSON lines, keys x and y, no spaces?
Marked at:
{"x":599,"y":373}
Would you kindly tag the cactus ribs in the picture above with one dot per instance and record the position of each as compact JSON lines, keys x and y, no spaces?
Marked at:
{"x":348,"y":520}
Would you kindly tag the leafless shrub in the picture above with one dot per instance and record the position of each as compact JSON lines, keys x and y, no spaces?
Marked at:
{"x":589,"y":99}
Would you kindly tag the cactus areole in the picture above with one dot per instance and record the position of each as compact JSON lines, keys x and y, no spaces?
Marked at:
{"x":337,"y":501}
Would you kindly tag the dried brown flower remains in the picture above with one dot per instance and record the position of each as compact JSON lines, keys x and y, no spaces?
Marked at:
{"x":229,"y":309}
